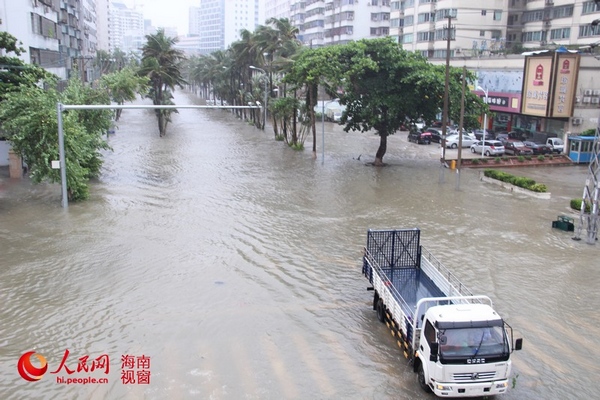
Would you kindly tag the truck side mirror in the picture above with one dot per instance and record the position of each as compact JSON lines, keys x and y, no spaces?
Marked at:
{"x":519,"y":344}
{"x":433,"y":355}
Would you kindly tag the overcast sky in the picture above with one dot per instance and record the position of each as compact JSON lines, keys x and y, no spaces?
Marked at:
{"x":166,"y":13}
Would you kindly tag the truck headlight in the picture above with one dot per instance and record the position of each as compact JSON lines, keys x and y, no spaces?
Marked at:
{"x":501,"y":385}
{"x":444,"y":388}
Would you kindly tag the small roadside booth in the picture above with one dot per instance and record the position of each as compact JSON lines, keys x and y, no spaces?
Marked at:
{"x":581,"y":149}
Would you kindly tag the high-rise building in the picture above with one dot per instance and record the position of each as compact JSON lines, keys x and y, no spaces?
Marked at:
{"x":126,"y":28}
{"x":327,"y":22}
{"x":102,"y":23}
{"x":222,"y":21}
{"x":277,"y":9}
{"x":492,"y":26}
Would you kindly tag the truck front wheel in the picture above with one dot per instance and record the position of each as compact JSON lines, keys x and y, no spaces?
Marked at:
{"x":422,"y":382}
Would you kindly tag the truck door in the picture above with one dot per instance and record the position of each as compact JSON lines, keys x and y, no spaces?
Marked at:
{"x":428,"y":342}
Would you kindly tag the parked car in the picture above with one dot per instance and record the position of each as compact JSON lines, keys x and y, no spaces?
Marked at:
{"x":436,"y":134}
{"x":538,"y":148}
{"x":492,"y":148}
{"x":479,"y":134}
{"x":557,"y":144}
{"x":502,"y":136}
{"x":419,"y":137}
{"x":452,"y":141}
{"x":517,"y":148}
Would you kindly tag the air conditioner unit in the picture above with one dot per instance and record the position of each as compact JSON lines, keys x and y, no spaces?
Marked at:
{"x":458,"y":50}
{"x":586,"y":100}
{"x":576,"y":121}
{"x":588,"y":92}
{"x":596,"y":92}
{"x":595,"y":100}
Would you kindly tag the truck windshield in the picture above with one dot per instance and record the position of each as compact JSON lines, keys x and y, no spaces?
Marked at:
{"x":471,"y":342}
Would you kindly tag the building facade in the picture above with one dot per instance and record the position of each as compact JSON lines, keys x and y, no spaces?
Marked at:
{"x":329,"y":22}
{"x":220,"y":22}
{"x":126,"y":28}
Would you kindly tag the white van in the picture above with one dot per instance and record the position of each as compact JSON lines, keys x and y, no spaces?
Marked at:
{"x":556,"y":144}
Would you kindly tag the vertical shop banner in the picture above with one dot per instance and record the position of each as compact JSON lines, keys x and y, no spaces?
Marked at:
{"x":565,"y":84}
{"x":536,"y":85}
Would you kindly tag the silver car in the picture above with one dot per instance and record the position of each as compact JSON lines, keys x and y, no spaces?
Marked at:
{"x":452,"y":141}
{"x":492,"y":148}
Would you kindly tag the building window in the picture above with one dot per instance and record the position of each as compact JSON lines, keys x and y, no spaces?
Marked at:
{"x":481,"y":33}
{"x":589,"y":30}
{"x":590,"y":7}
{"x":563,"y":12}
{"x":483,"y":12}
{"x":497,"y":15}
{"x":407,"y":38}
{"x":536,"y":36}
{"x":426,"y":17}
{"x":445,"y":13}
{"x":564,"y":33}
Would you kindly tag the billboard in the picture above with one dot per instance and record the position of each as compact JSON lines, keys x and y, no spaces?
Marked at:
{"x":567,"y":67}
{"x":549,"y":84}
{"x":536,"y":85}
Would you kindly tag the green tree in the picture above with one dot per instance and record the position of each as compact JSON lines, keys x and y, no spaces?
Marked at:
{"x":161,"y":63}
{"x":123,"y":86}
{"x":381,"y":85}
{"x":29,"y":117}
{"x":14,"y":71}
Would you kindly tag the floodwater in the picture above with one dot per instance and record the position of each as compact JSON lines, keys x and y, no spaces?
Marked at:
{"x":233,"y":263}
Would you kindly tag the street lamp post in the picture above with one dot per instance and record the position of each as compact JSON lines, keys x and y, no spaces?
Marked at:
{"x":485,"y":92}
{"x":323,"y":131}
{"x":266,"y":93}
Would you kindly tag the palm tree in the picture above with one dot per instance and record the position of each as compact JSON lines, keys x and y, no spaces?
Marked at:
{"x":161,"y":63}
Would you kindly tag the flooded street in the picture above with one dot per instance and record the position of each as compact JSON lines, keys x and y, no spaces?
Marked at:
{"x":234,"y":263}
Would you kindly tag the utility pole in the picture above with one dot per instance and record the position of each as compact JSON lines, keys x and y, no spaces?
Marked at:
{"x":460,"y":126}
{"x":446,"y":95}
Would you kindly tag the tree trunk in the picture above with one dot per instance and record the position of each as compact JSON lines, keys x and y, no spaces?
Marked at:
{"x":381,"y":150}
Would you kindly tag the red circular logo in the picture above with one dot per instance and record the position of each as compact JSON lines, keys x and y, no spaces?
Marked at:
{"x":30,"y":372}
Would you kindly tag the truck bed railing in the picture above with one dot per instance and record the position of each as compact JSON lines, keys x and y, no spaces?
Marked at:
{"x":443,"y":278}
{"x":375,"y":266}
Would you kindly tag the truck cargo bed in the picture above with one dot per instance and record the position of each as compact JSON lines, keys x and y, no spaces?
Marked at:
{"x":412,"y":284}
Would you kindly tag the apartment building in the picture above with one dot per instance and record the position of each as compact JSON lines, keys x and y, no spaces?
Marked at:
{"x":329,"y":22}
{"x":493,"y":26}
{"x":57,"y":34}
{"x":220,"y":22}
{"x":126,"y":28}
{"x":542,"y":23}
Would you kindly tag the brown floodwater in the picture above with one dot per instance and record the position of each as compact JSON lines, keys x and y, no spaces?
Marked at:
{"x":234,"y":263}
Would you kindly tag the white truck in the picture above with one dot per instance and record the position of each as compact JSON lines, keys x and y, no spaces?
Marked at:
{"x":458,"y":345}
{"x":556,"y":144}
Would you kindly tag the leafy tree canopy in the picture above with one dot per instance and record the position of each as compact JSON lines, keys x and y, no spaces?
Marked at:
{"x":14,"y":72}
{"x":30,"y":119}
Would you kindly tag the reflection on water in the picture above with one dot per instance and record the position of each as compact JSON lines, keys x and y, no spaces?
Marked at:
{"x":234,"y":263}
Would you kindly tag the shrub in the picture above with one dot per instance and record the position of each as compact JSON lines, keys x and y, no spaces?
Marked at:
{"x":576,"y":205}
{"x":475,"y":161}
{"x":521,"y":159}
{"x":551,"y":157}
{"x":520,"y":181}
{"x":528,"y":158}
{"x":541,"y":157}
{"x":505,"y":158}
{"x":497,"y":160}
{"x":484,"y":160}
{"x":538,"y":187}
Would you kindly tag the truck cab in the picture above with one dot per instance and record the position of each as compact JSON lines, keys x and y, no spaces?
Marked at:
{"x":464,"y":350}
{"x":556,"y":144}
